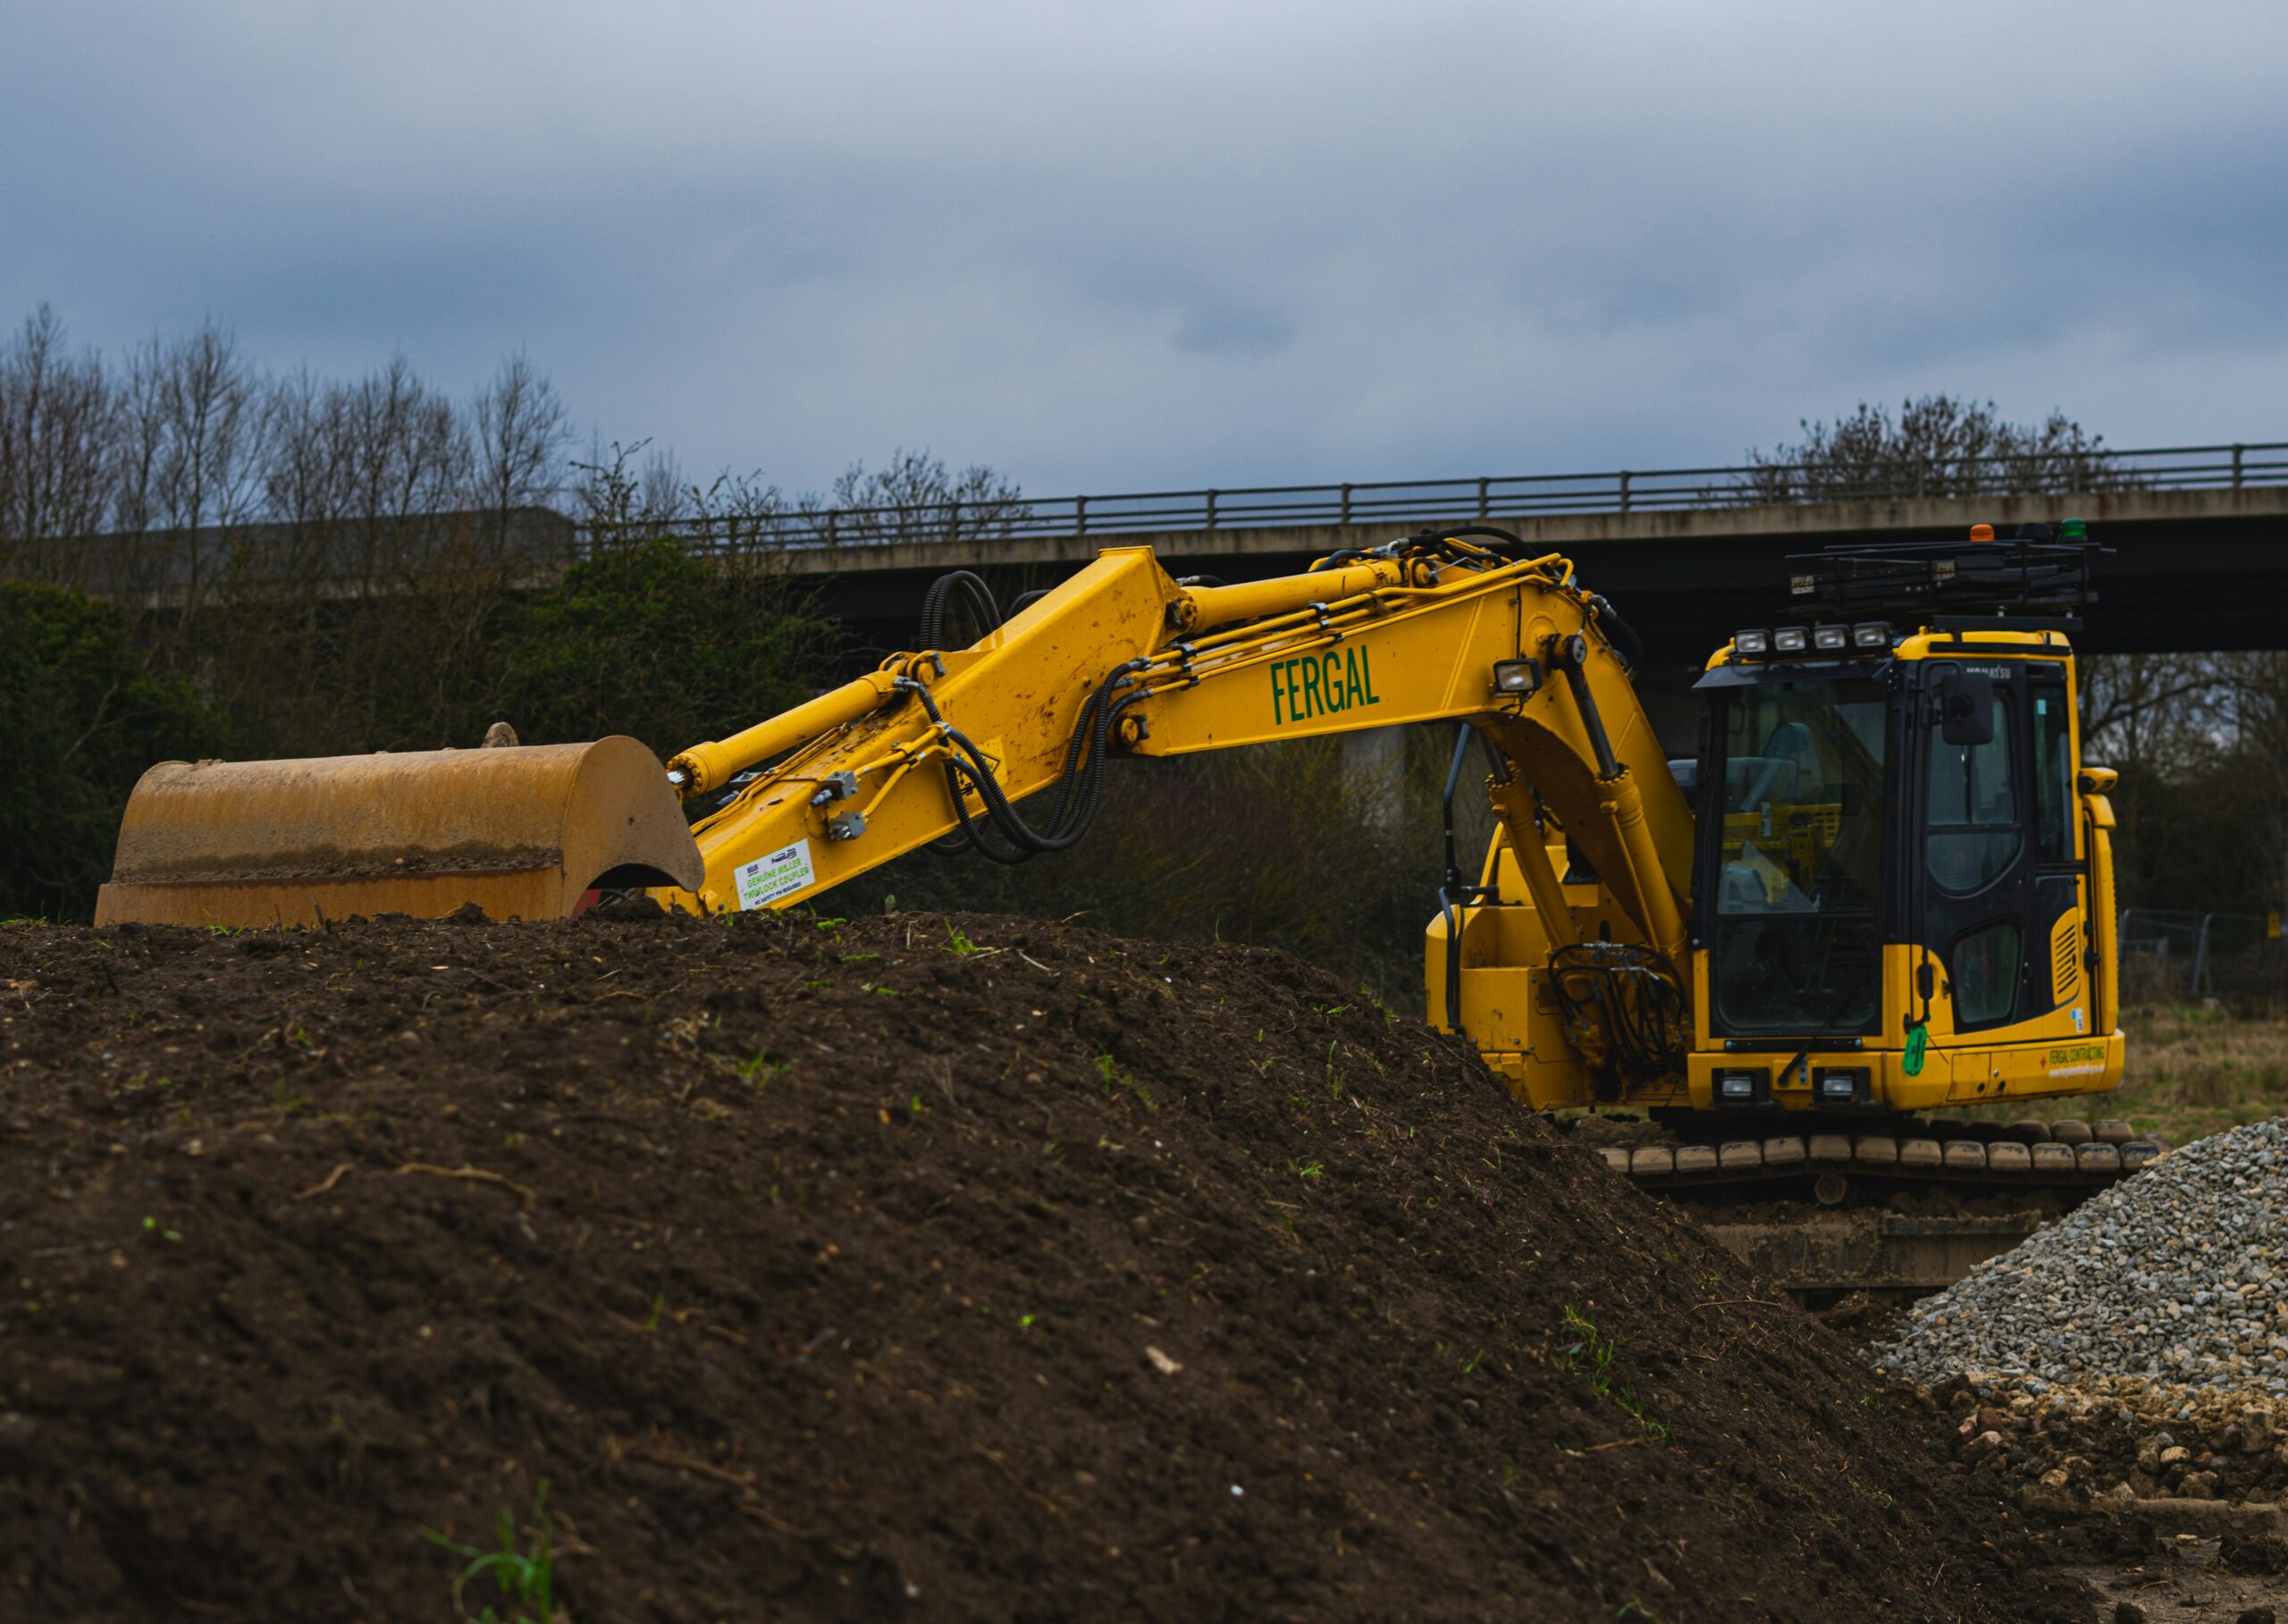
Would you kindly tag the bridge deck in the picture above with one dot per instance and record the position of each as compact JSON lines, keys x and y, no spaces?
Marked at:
{"x":2192,"y":569}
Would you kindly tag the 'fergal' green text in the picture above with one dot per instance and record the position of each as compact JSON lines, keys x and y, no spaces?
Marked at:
{"x":1318,"y":685}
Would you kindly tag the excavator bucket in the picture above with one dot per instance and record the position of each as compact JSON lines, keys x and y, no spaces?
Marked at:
{"x":523,"y":833}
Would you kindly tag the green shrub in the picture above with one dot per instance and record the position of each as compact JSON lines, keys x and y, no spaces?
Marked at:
{"x":80,"y":719}
{"x":652,"y":638}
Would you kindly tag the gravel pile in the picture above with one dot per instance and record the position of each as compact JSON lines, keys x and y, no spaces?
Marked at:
{"x":2117,"y":1436}
{"x":2173,"y":1276}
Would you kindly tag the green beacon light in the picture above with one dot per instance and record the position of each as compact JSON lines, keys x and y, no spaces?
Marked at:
{"x":2074,"y":530}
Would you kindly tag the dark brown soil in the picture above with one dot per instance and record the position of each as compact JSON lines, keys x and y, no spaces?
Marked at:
{"x":967,"y":1268}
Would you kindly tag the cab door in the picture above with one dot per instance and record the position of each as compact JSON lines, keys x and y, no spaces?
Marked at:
{"x":2058,"y":983}
{"x":1998,"y":869}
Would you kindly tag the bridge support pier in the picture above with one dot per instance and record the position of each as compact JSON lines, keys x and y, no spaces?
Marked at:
{"x":1374,"y":770}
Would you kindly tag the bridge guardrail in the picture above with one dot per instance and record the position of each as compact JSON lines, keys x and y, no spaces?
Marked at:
{"x":1618,"y":491}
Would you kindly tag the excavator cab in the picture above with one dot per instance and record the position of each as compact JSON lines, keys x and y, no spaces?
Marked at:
{"x":1900,"y":886}
{"x":1905,"y":883}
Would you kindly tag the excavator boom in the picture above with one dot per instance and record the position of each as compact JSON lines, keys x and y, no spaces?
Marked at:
{"x":979,"y":742}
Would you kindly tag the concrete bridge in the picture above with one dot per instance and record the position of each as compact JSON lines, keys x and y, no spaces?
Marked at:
{"x":2192,"y":569}
{"x":2199,"y":540}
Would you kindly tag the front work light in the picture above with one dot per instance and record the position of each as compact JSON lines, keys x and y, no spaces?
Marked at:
{"x":1870,"y":635}
{"x":1788,"y":640}
{"x":1752,"y":643}
{"x":1830,"y":637}
{"x":1844,"y":1085}
{"x":1736,"y":1085}
{"x":1521,"y":676}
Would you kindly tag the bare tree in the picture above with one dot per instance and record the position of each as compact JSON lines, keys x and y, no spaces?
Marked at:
{"x":1937,"y":446}
{"x":189,"y":464}
{"x":519,"y":430}
{"x":914,"y":498}
{"x":2254,"y":738}
{"x":57,"y":421}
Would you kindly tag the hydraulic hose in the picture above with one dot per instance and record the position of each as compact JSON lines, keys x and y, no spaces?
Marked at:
{"x":1631,"y":995}
{"x":1078,"y":787}
{"x":1617,"y":632}
{"x":1463,"y":531}
{"x":1455,"y":892}
{"x":970,"y":592}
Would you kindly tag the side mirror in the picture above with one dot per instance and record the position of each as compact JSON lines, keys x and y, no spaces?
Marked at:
{"x":1925,"y":983}
{"x":1966,"y":709}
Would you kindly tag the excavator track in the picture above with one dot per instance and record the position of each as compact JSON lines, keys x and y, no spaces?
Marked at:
{"x":1887,"y":1214}
{"x":2085,"y":1156}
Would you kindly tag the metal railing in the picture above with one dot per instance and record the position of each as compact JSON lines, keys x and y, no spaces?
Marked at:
{"x":1621,"y":491}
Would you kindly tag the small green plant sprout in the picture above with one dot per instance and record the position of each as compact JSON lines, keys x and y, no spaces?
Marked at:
{"x":658,"y":1306}
{"x":889,"y":905}
{"x":1111,"y":1075}
{"x":762,"y":1069}
{"x":1307,"y":1170}
{"x":1592,"y":1354}
{"x":1026,"y":1321}
{"x":1589,"y":1353}
{"x":152,"y":1226}
{"x":1469,"y":1365}
{"x":956,"y":944}
{"x":526,"y":1579}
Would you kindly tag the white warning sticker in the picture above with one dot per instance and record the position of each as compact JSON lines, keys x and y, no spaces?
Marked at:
{"x":778,"y":874}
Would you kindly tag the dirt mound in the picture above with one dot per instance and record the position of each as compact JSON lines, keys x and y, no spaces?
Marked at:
{"x":960,"y":1269}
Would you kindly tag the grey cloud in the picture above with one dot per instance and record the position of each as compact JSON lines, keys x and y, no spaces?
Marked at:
{"x":1143,"y":244}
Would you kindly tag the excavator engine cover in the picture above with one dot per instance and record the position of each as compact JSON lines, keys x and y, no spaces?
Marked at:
{"x":523,"y":833}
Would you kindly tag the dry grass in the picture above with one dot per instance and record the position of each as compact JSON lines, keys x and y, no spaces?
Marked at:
{"x":2193,"y":1070}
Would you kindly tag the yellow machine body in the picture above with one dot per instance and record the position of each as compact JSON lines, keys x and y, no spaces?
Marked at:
{"x":1597,"y":960}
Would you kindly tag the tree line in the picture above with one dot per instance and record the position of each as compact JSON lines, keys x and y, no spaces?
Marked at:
{"x":200,"y":556}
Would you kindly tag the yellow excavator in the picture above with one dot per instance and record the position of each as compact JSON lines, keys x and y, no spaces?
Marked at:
{"x":1882,"y":886}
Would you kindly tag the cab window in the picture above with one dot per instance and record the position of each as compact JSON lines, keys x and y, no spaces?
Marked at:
{"x":2053,"y":771}
{"x":1984,"y":968}
{"x":1974,"y":837}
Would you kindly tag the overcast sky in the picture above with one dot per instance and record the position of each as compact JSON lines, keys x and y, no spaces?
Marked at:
{"x":1119,"y":244}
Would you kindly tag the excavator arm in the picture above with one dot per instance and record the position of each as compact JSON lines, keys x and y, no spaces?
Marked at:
{"x":1001,"y":745}
{"x":1003,"y":742}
